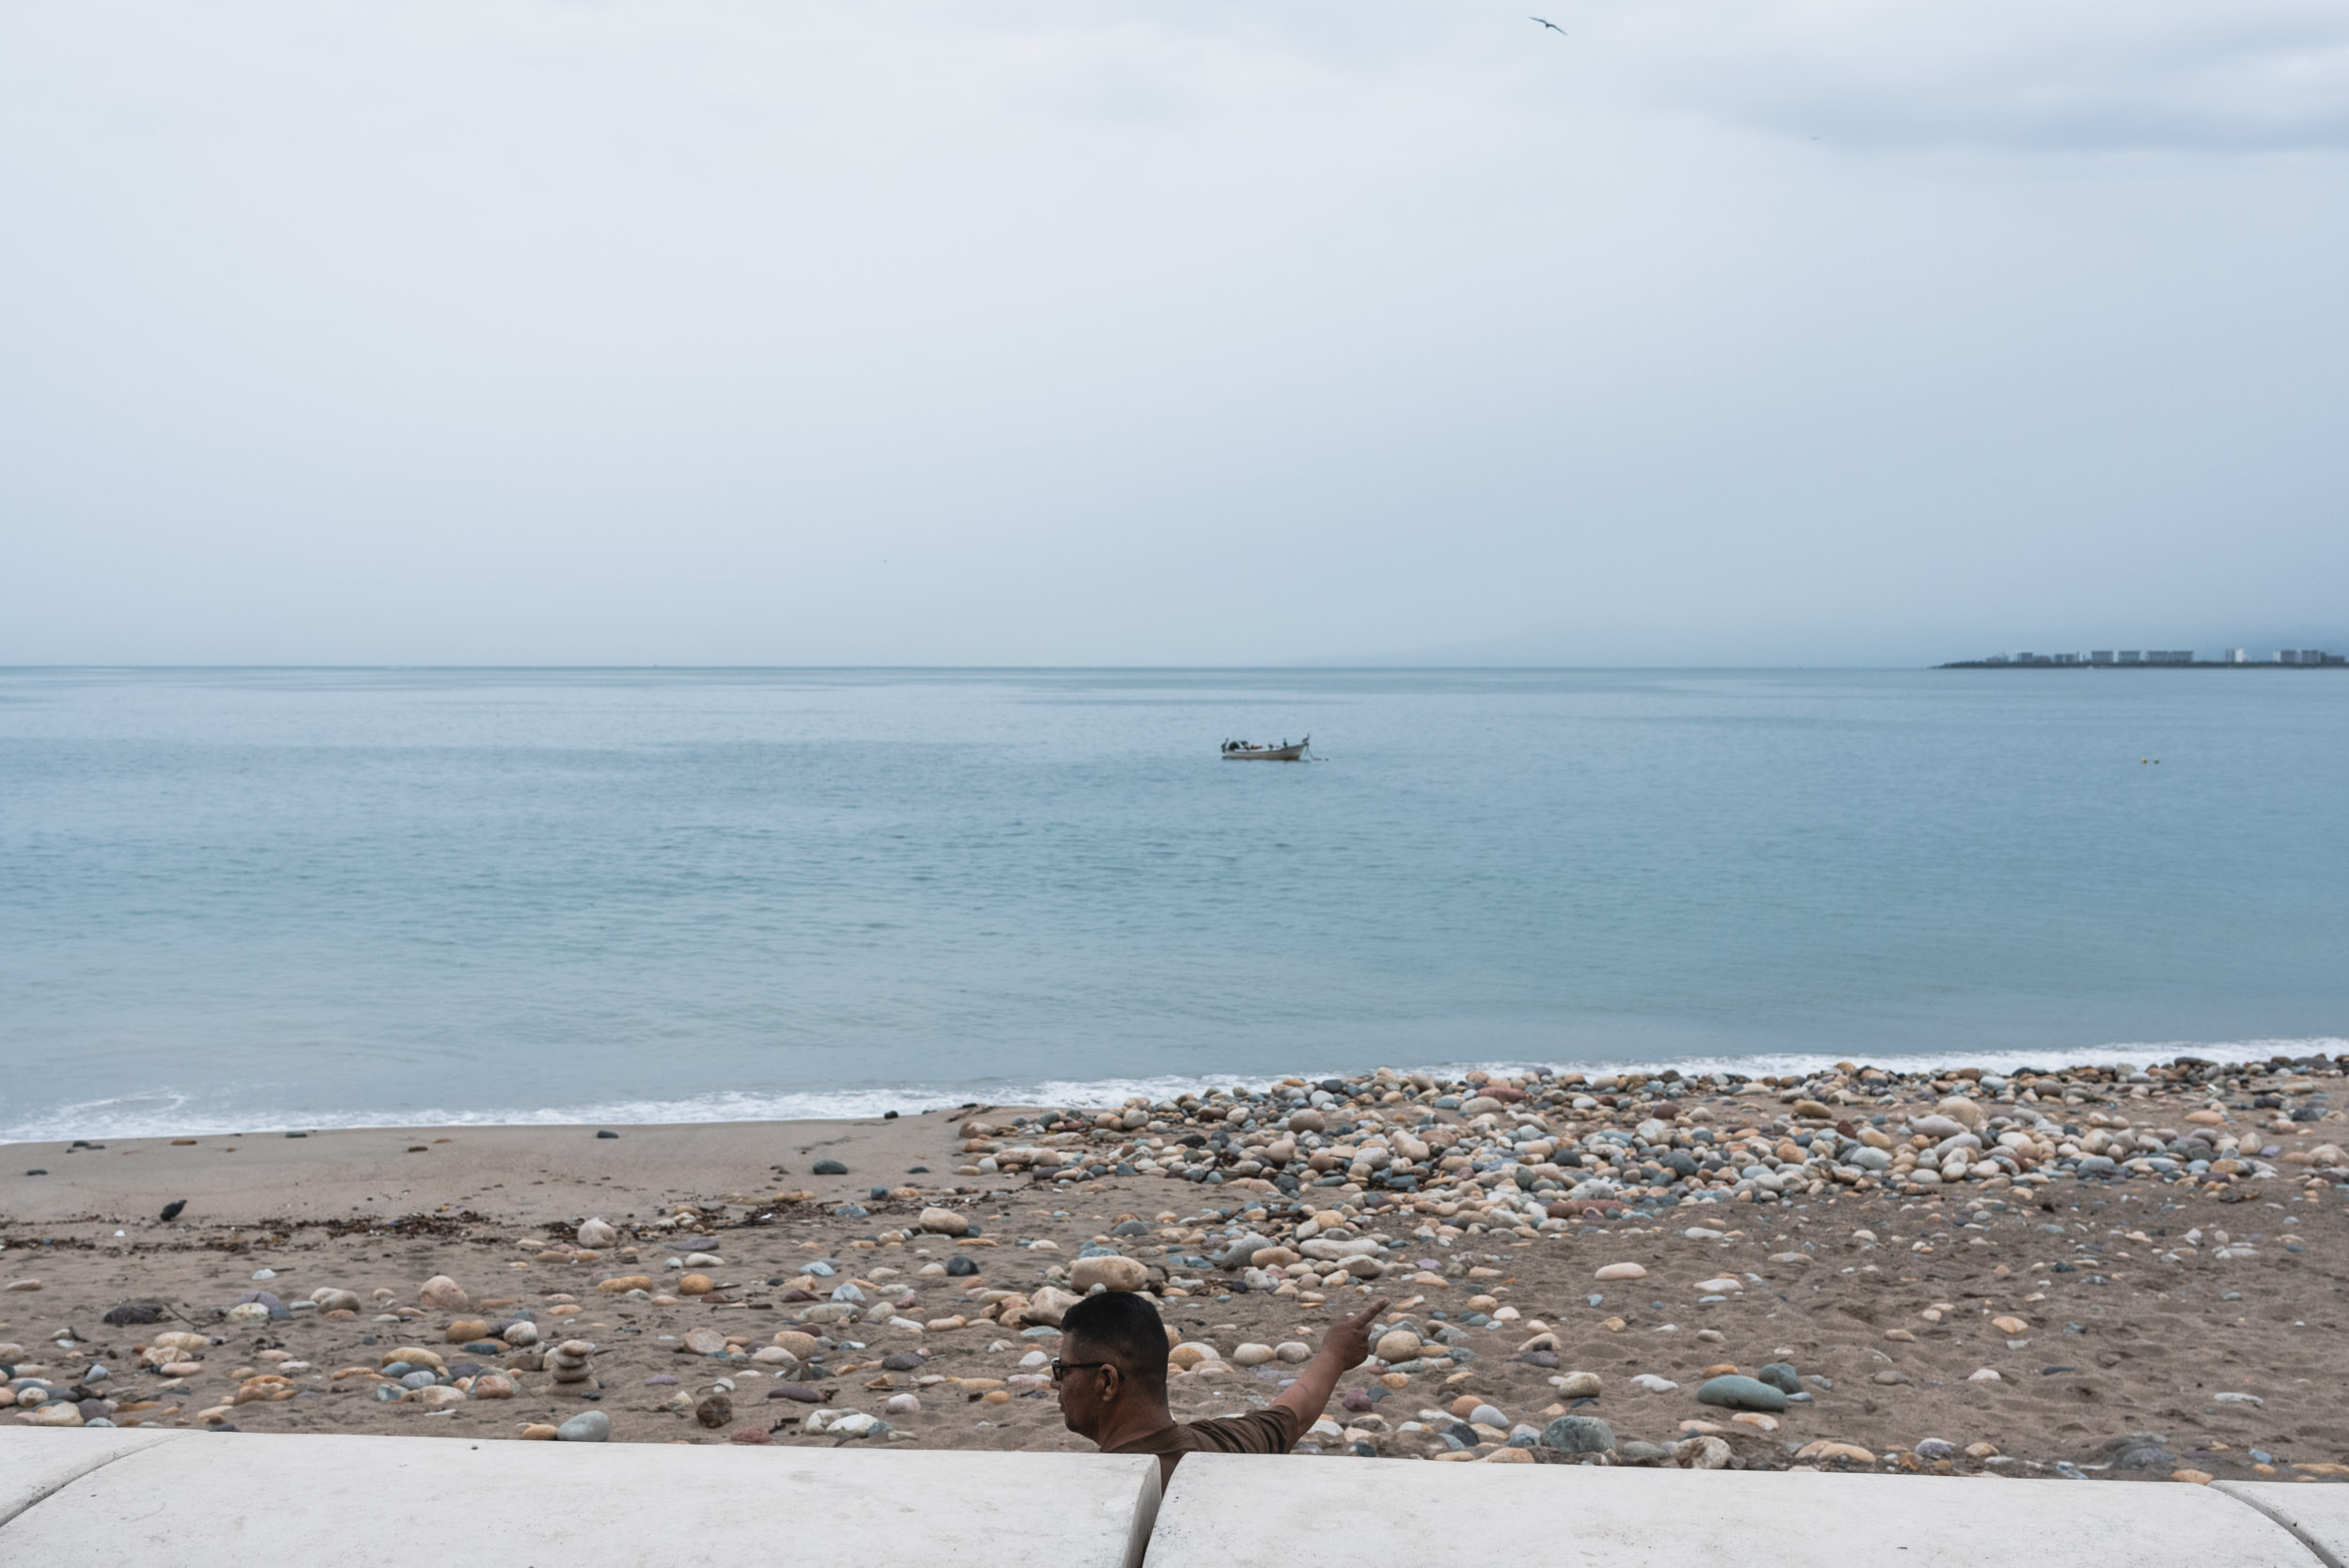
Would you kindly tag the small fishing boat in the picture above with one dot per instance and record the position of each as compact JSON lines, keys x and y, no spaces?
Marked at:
{"x":1244,"y":751}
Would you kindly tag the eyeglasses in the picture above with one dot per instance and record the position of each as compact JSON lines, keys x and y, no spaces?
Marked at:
{"x":1062,"y":1369}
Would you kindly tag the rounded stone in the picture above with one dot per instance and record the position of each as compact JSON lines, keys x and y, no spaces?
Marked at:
{"x":1579,"y":1435}
{"x":443,"y":1293}
{"x":1125,"y":1274}
{"x":1398,"y":1344}
{"x":1734,"y":1392}
{"x":1251,"y":1355}
{"x":588,"y":1426}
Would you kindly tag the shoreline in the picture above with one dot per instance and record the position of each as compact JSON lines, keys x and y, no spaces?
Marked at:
{"x":1961,"y":1272}
{"x":730,"y":1108}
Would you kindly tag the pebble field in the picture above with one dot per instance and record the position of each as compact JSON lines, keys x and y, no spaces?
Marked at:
{"x":2096,"y":1272}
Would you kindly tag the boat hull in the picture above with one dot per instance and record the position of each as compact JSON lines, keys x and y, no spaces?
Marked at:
{"x":1267,"y":753}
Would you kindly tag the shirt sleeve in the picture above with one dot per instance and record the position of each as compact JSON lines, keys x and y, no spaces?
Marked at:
{"x":1268,"y":1431}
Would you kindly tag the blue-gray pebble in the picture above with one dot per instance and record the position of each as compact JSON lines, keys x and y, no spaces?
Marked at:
{"x":1741,"y":1393}
{"x":1579,"y":1435}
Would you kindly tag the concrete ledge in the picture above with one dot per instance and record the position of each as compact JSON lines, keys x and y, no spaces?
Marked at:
{"x":34,"y":1462}
{"x":1230,"y":1511}
{"x":202,"y":1499}
{"x":2318,"y":1514}
{"x":72,"y":1498}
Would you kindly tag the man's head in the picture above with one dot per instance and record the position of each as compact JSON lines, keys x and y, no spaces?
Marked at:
{"x":1112,"y":1362}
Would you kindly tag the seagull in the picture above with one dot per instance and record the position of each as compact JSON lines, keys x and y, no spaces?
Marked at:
{"x":1546,"y":22}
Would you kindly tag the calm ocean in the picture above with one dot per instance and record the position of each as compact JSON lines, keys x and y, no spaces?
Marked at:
{"x":236,"y":900}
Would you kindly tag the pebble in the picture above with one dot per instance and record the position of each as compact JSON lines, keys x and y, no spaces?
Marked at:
{"x":828,"y":1168}
{"x":1615,"y":1272}
{"x":1109,"y":1273}
{"x":599,"y":1233}
{"x":443,"y":1293}
{"x":1734,"y":1392}
{"x":1654,"y":1384}
{"x":714,"y":1411}
{"x":1702,"y":1451}
{"x":1779,"y":1376}
{"x":1251,"y":1355}
{"x":1579,"y":1435}
{"x":588,"y":1426}
{"x":1577,"y":1385}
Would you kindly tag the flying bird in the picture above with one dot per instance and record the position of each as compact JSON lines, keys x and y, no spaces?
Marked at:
{"x":1546,"y":22}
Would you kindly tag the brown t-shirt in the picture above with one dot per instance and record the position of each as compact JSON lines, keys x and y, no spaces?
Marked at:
{"x":1272,"y":1430}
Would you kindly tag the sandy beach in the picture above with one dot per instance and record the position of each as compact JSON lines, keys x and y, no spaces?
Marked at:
{"x":2097,"y":1272}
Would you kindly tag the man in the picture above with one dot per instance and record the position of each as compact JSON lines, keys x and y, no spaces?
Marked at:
{"x":1111,"y":1375}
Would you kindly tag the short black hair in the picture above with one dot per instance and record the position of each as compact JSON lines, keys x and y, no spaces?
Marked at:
{"x":1119,"y":1326}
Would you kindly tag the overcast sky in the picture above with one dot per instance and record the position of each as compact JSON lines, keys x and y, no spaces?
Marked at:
{"x":1088,"y":330}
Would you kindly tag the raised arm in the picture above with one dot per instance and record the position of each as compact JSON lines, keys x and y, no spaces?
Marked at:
{"x":1345,"y":1346}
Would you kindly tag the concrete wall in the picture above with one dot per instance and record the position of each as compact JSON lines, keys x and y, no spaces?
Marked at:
{"x":74,"y":1497}
{"x":1224,"y":1510}
{"x":2319,"y":1515}
{"x":208,"y":1499}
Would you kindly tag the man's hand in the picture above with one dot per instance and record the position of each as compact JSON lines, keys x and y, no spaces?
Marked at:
{"x":1347,"y":1343}
{"x":1347,"y":1346}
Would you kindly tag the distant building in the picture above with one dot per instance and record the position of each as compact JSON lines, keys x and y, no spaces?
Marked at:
{"x":2170,"y":656}
{"x":2308,"y":655}
{"x":2103,"y":656}
{"x":2234,"y":656}
{"x":2130,"y":656}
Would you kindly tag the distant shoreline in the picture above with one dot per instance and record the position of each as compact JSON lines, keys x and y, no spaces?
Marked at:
{"x":2083,"y":664}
